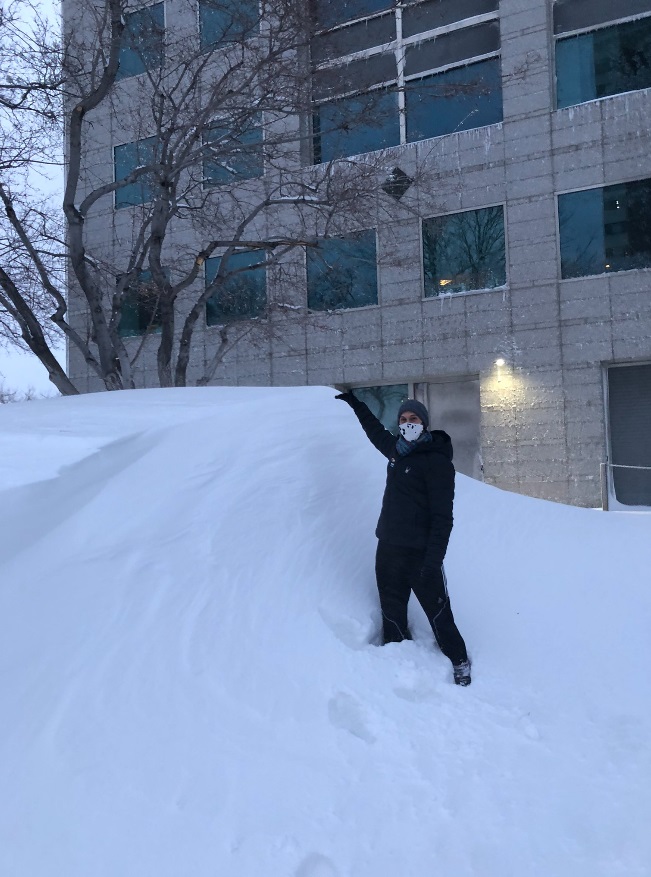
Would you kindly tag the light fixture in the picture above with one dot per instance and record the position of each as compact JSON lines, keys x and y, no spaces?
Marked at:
{"x":444,"y":282}
{"x":500,"y":362}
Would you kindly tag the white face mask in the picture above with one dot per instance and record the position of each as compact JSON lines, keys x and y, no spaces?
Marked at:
{"x":411,"y":431}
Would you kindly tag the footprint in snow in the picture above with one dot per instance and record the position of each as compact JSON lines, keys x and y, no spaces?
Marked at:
{"x":351,"y":632}
{"x":348,"y":714}
{"x":317,"y":865}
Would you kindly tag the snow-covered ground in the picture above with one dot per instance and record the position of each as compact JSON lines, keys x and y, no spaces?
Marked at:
{"x":188,"y":685}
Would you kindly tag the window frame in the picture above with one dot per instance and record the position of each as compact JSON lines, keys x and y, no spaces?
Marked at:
{"x":505,"y":285}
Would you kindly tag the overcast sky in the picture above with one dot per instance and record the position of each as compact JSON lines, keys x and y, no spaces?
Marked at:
{"x":23,"y":371}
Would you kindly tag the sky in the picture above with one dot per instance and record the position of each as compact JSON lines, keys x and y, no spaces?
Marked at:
{"x":23,"y":372}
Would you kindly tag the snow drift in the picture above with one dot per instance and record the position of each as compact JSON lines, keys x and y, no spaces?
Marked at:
{"x":190,"y":686}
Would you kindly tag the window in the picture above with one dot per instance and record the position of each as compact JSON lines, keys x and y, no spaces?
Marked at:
{"x":404,"y":74}
{"x":384,"y":402}
{"x":227,"y":21}
{"x":464,"y":251}
{"x":604,"y":230}
{"x":128,"y":158}
{"x":342,"y":272}
{"x":354,"y":125}
{"x":462,"y":98}
{"x":140,"y":313}
{"x":142,"y":41}
{"x":242,"y":293}
{"x":603,"y":62}
{"x":230,"y":156}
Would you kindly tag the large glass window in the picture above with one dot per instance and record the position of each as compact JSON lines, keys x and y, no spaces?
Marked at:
{"x":142,"y":41}
{"x":127,"y":158}
{"x":604,"y":62}
{"x":464,"y":251}
{"x":354,"y":125}
{"x":230,"y":156}
{"x":438,"y":71}
{"x":604,"y":230}
{"x":227,"y":21}
{"x":342,"y":272}
{"x":384,"y":402}
{"x":243,"y":292}
{"x":140,"y":312}
{"x":458,"y":99}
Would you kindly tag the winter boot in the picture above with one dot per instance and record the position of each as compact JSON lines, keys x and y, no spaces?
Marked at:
{"x":462,"y":673}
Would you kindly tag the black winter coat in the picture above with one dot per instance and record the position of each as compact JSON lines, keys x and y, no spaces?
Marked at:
{"x":419,"y":493}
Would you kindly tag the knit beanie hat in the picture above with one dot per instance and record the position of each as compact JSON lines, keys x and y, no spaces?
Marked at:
{"x":416,"y":408}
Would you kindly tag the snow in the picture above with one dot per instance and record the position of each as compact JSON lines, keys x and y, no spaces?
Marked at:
{"x":189,"y":684}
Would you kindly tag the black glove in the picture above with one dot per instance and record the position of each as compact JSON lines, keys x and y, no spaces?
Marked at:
{"x":348,"y":397}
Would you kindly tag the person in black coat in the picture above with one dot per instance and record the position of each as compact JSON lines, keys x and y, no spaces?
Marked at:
{"x":414,"y":526}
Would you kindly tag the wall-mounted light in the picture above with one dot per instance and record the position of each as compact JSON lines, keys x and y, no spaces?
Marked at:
{"x":500,"y":362}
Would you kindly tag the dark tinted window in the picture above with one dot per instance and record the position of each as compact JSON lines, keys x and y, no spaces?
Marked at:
{"x":329,"y":13}
{"x":227,"y":21}
{"x":604,"y":62}
{"x":232,"y":156}
{"x":604,"y":230}
{"x":354,"y":125}
{"x":464,"y":251}
{"x":578,"y":14}
{"x":629,"y":404}
{"x":342,"y":272}
{"x":243,"y":292}
{"x":469,"y":42}
{"x":127,"y":158}
{"x":354,"y":38}
{"x":142,"y":41}
{"x":466,"y":97}
{"x":430,"y":14}
{"x":355,"y":76}
{"x":140,"y":312}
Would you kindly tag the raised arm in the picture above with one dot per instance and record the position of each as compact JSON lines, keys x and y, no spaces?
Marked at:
{"x":383,"y":440}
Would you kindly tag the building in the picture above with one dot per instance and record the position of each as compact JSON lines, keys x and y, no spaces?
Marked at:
{"x":515,"y":298}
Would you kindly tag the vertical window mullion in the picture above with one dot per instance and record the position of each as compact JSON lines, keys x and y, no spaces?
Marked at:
{"x":400,"y":64}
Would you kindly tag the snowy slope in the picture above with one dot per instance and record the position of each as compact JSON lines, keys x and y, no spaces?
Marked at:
{"x":188,"y":685}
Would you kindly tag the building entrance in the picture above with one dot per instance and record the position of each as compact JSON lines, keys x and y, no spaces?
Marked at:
{"x":629,"y":433}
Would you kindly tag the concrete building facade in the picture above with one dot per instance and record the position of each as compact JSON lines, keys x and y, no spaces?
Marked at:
{"x":526,"y":372}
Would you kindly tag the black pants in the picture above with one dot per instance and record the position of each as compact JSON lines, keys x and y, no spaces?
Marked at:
{"x":398,"y":573}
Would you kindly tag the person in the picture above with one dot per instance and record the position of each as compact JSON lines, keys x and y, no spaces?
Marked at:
{"x":414,"y":526}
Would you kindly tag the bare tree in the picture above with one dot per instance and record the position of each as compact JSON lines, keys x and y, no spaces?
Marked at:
{"x":192,"y":201}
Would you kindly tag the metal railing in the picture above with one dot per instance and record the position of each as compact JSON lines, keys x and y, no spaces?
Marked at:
{"x":606,"y":491}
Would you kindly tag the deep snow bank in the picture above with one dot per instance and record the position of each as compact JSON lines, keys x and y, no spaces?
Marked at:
{"x":188,"y":686}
